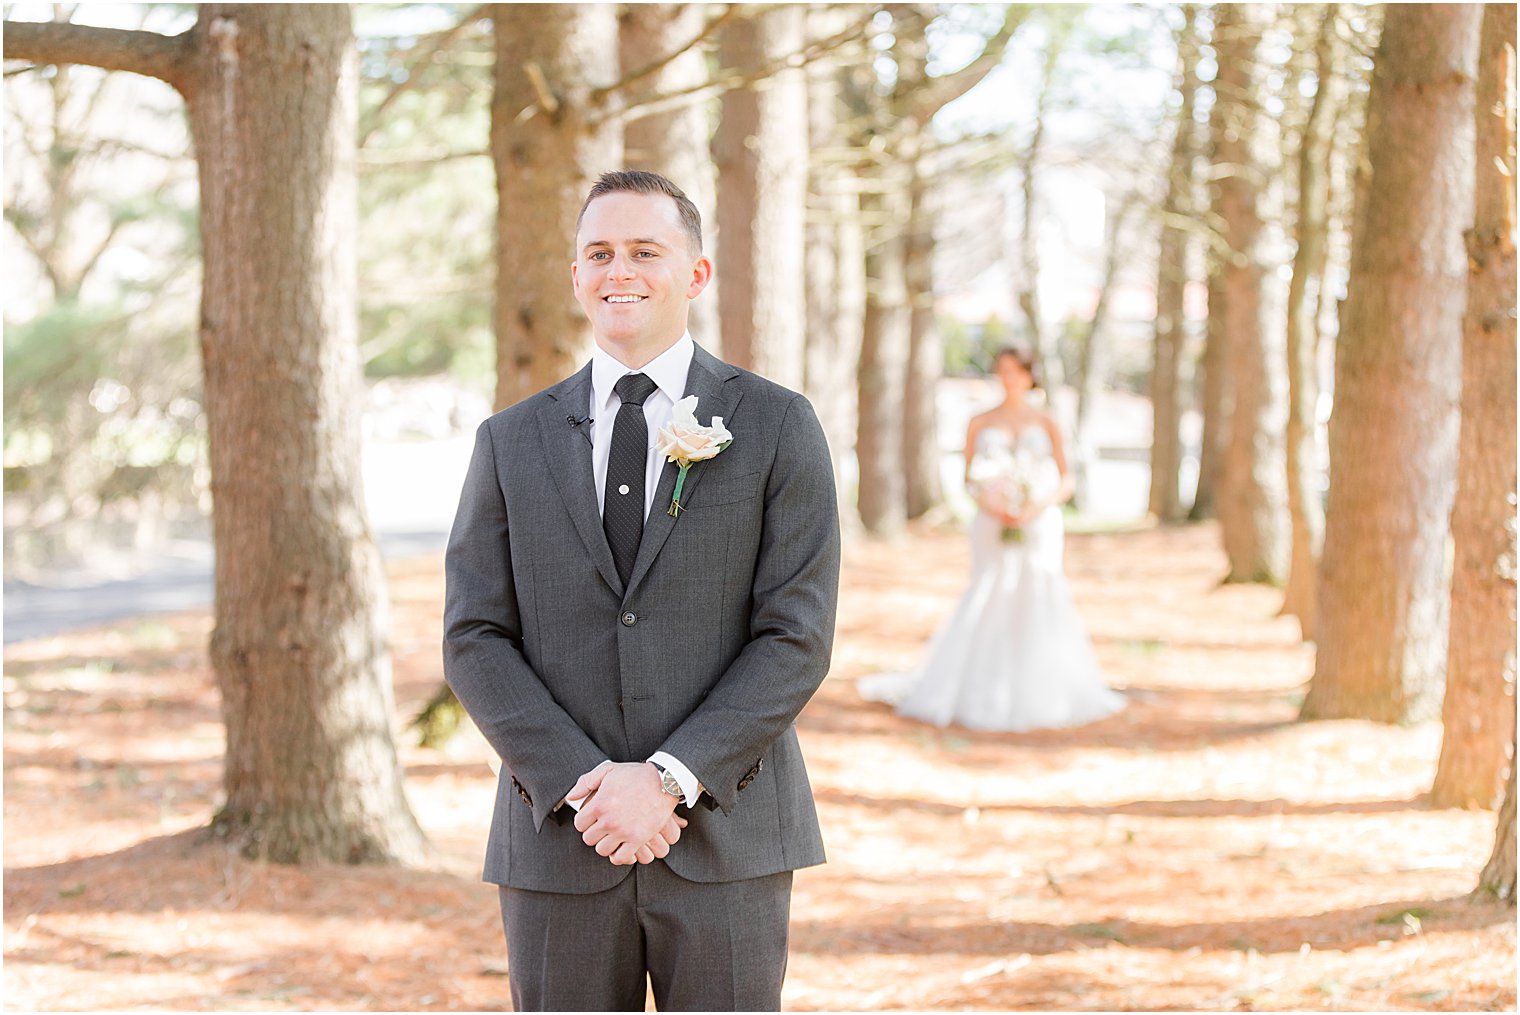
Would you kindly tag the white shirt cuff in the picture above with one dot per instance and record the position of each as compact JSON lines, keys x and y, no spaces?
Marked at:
{"x":690,"y":787}
{"x":575,"y":805}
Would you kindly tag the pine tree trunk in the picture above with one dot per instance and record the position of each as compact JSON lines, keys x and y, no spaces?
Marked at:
{"x":1305,"y":512}
{"x":1478,"y":712}
{"x":1214,"y":364}
{"x":1252,"y":508}
{"x":923,"y":489}
{"x":1498,"y":877}
{"x":1393,"y":436}
{"x":926,"y":354}
{"x":1172,"y":270}
{"x":883,"y":373}
{"x":299,"y":645}
{"x":761,"y":152}
{"x":834,"y":261}
{"x":548,"y":144}
{"x":676,"y":143}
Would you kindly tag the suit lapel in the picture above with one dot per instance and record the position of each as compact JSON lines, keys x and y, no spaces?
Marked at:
{"x":568,"y":450}
{"x":707,"y":379}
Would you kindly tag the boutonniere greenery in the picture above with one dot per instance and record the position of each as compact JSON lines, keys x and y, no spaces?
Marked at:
{"x":685,"y":441}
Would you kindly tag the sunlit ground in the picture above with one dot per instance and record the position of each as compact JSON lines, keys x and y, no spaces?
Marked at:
{"x":1199,"y":850}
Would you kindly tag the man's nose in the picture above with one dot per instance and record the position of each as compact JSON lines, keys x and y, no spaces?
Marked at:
{"x":622,"y":266}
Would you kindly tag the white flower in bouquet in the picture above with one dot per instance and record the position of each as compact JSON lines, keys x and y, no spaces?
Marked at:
{"x":1005,"y":481}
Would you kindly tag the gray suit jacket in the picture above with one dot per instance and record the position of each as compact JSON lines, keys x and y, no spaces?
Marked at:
{"x":721,"y":636}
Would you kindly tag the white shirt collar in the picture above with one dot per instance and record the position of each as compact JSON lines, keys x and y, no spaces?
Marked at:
{"x":668,"y":371}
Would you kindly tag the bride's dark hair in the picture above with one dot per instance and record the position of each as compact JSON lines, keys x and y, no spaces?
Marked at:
{"x":1022,"y":358}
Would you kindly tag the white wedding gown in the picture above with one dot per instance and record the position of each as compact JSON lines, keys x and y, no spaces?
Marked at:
{"x":1014,"y":655}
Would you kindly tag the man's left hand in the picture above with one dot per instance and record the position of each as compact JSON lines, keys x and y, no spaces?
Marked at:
{"x":627,"y":808}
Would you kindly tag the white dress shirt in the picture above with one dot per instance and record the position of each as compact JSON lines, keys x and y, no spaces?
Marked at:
{"x":668,"y":371}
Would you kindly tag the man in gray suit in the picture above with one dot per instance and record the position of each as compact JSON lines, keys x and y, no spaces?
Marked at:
{"x":636,"y":662}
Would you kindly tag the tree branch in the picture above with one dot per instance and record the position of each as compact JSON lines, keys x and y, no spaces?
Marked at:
{"x":649,"y":70}
{"x":414,"y":70}
{"x":166,"y":57}
{"x":937,"y":93}
{"x":738,"y":79}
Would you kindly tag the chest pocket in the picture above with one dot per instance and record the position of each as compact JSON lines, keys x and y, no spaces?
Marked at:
{"x":714,"y":492}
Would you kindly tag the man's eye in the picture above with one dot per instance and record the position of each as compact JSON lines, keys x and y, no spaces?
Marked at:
{"x":645,"y":253}
{"x":599,"y":255}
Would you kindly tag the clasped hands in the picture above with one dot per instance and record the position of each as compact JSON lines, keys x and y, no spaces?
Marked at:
{"x":626,"y":816}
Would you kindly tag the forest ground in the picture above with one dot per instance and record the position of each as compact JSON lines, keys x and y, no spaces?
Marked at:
{"x":1200,"y":850}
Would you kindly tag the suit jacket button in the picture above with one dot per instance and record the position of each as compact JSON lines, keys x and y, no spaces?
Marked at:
{"x":629,"y":619}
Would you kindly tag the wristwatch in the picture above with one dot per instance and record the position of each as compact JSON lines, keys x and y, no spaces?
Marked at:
{"x":668,"y":781}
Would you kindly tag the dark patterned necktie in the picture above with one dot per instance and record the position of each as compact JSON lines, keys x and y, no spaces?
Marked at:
{"x":627,"y":462}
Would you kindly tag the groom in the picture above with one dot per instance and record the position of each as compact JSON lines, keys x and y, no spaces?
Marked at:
{"x":636,"y":664}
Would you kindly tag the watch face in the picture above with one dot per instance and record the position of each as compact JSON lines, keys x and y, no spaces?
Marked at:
{"x":670,"y":784}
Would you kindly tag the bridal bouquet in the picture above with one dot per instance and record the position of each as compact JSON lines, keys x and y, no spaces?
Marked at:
{"x":1005,"y":480}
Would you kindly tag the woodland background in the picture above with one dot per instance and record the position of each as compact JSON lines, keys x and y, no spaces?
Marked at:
{"x":1284,"y":232}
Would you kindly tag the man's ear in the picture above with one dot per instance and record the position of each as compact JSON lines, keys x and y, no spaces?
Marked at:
{"x":575,"y":278}
{"x":701,"y":274}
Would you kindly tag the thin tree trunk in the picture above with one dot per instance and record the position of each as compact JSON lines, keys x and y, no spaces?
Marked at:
{"x":1041,"y":346}
{"x":1478,"y":712}
{"x":1172,"y":276}
{"x":883,"y":367}
{"x":299,"y":645}
{"x":1305,"y":512}
{"x":834,"y":259}
{"x":676,"y":143}
{"x":926,"y":356}
{"x":1214,"y":364}
{"x":548,"y":143}
{"x":1393,"y":437}
{"x":1252,"y":512}
{"x":1093,"y":363}
{"x":761,"y":152}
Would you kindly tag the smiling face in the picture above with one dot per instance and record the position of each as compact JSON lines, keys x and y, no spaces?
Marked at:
{"x":635,"y":274}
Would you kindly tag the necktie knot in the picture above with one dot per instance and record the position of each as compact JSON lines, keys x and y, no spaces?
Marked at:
{"x":634,"y":388}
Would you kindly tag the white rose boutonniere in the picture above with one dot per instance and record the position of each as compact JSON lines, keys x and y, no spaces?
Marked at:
{"x":685,"y":441}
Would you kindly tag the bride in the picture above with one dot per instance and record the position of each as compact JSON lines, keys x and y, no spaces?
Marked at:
{"x":1014,"y":655}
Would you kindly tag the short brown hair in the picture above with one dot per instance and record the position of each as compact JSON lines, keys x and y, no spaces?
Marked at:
{"x":638,"y":181}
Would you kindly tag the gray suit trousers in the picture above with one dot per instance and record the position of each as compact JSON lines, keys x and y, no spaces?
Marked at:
{"x":707,"y":946}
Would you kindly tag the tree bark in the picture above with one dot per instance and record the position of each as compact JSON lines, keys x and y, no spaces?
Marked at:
{"x":835,"y":259}
{"x":1498,"y":878}
{"x":761,"y":152}
{"x":883,"y":374}
{"x":1252,"y":508}
{"x":1305,"y":512}
{"x":1213,"y":365}
{"x":298,"y":646}
{"x":1171,"y":281}
{"x":1393,"y":436}
{"x":549,"y":142}
{"x":676,"y":143}
{"x":926,"y":354}
{"x":1478,"y":712}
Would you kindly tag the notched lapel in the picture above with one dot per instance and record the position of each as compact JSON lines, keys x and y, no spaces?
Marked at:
{"x":568,"y":449}
{"x":708,"y":379}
